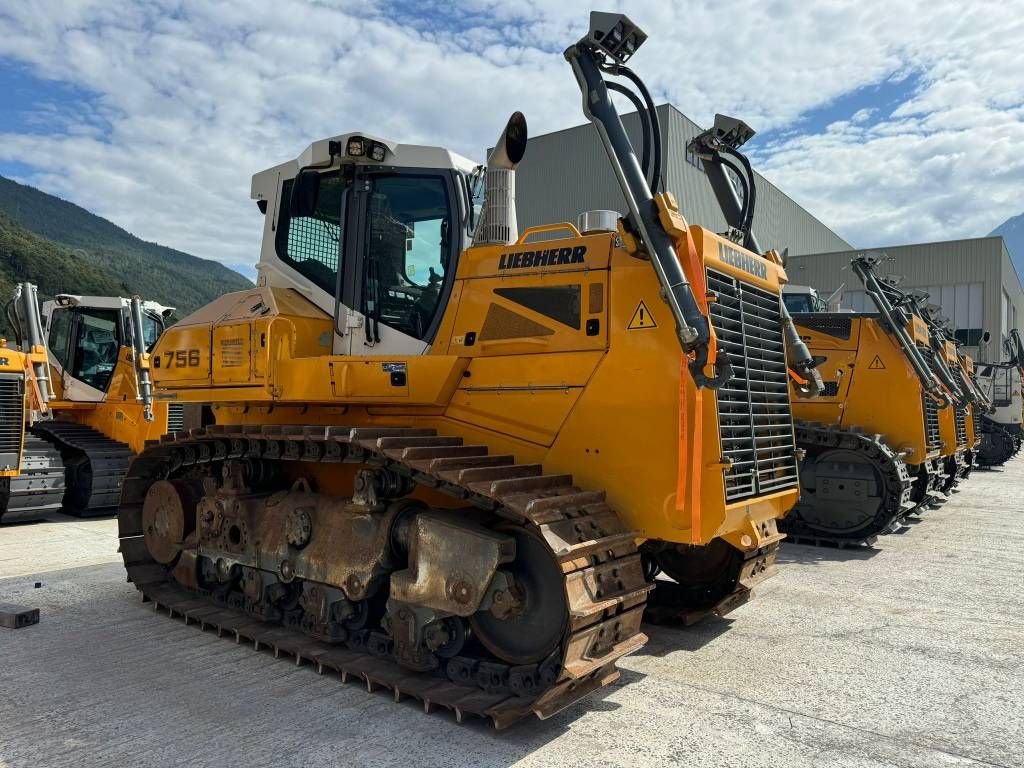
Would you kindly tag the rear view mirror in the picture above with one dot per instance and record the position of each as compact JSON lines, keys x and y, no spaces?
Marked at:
{"x":986,"y":337}
{"x":305,"y":192}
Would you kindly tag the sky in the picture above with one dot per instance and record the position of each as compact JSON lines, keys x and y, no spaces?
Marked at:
{"x":891,"y":122}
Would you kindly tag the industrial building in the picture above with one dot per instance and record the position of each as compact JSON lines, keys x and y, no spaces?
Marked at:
{"x":558,"y":179}
{"x":973,"y":280}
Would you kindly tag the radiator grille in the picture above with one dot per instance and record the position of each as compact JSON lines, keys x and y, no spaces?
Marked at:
{"x":175,"y":417}
{"x":755,"y":420}
{"x":931,"y":424}
{"x":961,"y":427}
{"x":12,"y":413}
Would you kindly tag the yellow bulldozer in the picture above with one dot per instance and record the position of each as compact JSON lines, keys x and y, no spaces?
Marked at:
{"x":893,"y":432}
{"x":78,"y":406}
{"x":448,"y":457}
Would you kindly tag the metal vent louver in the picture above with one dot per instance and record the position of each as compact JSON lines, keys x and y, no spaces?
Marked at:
{"x":754,"y":415}
{"x":961,"y":427}
{"x":12,"y":418}
{"x":931,"y":424}
{"x":175,"y":417}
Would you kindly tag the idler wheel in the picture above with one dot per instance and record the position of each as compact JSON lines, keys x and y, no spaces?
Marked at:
{"x":532,"y":633}
{"x":168,"y":516}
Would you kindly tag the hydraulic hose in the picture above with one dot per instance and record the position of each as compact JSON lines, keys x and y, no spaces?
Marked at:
{"x":645,"y":127}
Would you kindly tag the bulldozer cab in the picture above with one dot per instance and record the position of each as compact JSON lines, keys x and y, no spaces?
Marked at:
{"x":374,"y":242}
{"x":85,"y":336}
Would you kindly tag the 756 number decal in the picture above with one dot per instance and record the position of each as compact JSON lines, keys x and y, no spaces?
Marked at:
{"x":177,"y":358}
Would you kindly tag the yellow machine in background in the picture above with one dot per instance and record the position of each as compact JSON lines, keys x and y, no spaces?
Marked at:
{"x":31,"y":471}
{"x":888,"y":436}
{"x":448,"y":457}
{"x":90,"y":409}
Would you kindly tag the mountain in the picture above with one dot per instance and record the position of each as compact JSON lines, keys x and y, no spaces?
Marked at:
{"x":1012,"y":231}
{"x":64,"y":248}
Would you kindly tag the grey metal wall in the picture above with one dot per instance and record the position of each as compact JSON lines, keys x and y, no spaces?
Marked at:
{"x":567,"y":172}
{"x":982,"y":260}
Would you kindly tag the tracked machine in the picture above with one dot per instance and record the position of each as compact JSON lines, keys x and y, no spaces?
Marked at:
{"x":882,"y":441}
{"x":90,"y":406}
{"x":447,"y":458}
{"x":31,"y":471}
{"x":1000,"y":428}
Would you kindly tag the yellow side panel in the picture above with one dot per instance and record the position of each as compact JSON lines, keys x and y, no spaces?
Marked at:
{"x":489,"y":323}
{"x":174,"y":354}
{"x":421,"y":380}
{"x":528,"y":402}
{"x":232,"y":353}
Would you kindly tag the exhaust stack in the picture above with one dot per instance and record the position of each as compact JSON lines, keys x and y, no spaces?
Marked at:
{"x":497,"y":225}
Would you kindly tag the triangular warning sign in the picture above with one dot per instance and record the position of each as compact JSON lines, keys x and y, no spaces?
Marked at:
{"x":877,"y":364}
{"x":642,"y":318}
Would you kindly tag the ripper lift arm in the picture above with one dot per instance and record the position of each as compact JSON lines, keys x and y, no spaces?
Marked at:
{"x":718,"y":148}
{"x":897,"y":316}
{"x":611,"y":41}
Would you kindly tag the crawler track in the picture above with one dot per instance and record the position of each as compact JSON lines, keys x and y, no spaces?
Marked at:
{"x":817,"y":521}
{"x":39,"y":487}
{"x":95,"y":466}
{"x":603,"y":579}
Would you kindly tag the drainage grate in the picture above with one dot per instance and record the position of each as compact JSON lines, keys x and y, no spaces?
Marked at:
{"x":754,"y":415}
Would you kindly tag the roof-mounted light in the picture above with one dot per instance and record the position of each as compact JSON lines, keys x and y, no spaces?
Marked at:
{"x":615,"y":34}
{"x":358,"y":146}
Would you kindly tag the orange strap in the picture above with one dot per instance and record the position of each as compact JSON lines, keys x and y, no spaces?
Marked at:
{"x":691,"y":401}
{"x":30,"y":375}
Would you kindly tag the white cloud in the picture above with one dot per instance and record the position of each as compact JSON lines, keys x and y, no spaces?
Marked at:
{"x":194,"y":97}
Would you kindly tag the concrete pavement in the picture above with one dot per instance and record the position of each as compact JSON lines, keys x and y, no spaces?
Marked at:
{"x":909,"y":655}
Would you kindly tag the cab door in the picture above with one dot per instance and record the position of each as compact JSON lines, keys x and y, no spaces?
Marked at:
{"x":406,"y":245}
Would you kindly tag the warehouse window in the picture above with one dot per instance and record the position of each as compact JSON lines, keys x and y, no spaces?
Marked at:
{"x":694,"y":160}
{"x":961,"y":305}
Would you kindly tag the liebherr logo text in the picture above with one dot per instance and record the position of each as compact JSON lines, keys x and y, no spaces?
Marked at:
{"x":744,"y":261}
{"x":549,"y":257}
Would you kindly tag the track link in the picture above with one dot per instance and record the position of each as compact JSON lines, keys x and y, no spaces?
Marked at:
{"x":817,"y":438}
{"x":95,"y":466}
{"x":603,"y":579}
{"x":38,"y":488}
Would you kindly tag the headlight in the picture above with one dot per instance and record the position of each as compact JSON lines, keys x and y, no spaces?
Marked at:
{"x":355,"y":148}
{"x":377,"y":152}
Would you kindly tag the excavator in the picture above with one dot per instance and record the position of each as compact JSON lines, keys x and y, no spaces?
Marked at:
{"x":448,"y":458}
{"x":888,"y":436}
{"x":87,"y":407}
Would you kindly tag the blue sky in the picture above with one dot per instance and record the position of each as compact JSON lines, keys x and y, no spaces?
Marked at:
{"x":155,"y":114}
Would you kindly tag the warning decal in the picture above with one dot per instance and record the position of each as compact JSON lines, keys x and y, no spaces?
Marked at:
{"x":877,"y":364}
{"x":642,"y":318}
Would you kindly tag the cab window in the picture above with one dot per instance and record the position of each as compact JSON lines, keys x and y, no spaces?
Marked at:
{"x":408,"y":231}
{"x":60,"y":335}
{"x":312,"y":245}
{"x":96,"y":346}
{"x":152,"y":327}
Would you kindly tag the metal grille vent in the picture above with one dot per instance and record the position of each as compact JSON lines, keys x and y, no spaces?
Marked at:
{"x":961,"y":427}
{"x":836,"y":325}
{"x":831,"y":389}
{"x":931,"y":424}
{"x":754,"y":415}
{"x":175,"y":417}
{"x":12,"y":412}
